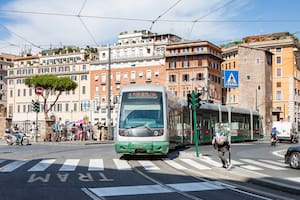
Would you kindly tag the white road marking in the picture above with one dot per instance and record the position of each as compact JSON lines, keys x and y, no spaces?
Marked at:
{"x":195,"y":164}
{"x":275,"y":163}
{"x":42,"y":165}
{"x":148,"y":165}
{"x":122,"y":164}
{"x":279,"y":153}
{"x":155,"y":189}
{"x":296,"y":179}
{"x":174,"y":164}
{"x":96,"y":165}
{"x":69,"y":165}
{"x":211,"y":161}
{"x":245,"y":166}
{"x":263,"y":164}
{"x":12,"y":166}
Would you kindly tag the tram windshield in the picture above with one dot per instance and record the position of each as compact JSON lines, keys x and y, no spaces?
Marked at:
{"x":141,"y":108}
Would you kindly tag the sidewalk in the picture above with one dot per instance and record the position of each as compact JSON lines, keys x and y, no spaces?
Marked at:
{"x":87,"y":142}
{"x":237,"y":173}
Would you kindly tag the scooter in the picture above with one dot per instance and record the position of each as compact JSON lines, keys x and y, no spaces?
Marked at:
{"x":273,"y":140}
{"x":17,"y":138}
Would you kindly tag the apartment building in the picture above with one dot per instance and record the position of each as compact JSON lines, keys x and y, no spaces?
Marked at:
{"x":285,"y":76}
{"x":254,"y":91}
{"x":71,"y":106}
{"x":194,"y":65}
{"x":137,"y":58}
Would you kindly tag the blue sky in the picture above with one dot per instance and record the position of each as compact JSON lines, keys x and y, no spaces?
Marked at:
{"x":40,"y":24}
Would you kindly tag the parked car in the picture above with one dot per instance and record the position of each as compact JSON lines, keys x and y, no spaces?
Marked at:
{"x":292,"y":157}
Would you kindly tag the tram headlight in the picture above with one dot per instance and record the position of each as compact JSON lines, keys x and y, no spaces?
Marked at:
{"x":158,"y":132}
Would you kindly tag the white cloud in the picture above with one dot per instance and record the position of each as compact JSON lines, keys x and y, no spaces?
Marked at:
{"x":44,"y":30}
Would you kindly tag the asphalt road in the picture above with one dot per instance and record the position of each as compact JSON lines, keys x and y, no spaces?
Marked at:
{"x":78,"y":171}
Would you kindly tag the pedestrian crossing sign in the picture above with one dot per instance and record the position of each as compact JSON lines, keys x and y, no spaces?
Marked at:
{"x":231,"y":79}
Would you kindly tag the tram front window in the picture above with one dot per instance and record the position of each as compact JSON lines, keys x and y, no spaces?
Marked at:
{"x":142,"y":113}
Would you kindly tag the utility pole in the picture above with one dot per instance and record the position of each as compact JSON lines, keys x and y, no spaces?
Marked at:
{"x":109,"y":94}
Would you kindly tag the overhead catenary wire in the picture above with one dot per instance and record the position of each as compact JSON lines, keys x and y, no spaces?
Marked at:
{"x":163,"y":14}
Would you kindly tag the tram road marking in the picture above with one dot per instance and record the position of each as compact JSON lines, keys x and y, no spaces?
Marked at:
{"x":279,"y":153}
{"x":12,"y":166}
{"x":195,"y":164}
{"x":42,"y":165}
{"x":174,"y":164}
{"x":245,"y":166}
{"x":155,"y":189}
{"x":96,"y":165}
{"x":263,"y":164}
{"x":148,"y":165}
{"x":122,"y":164}
{"x":69,"y":165}
{"x":275,"y":163}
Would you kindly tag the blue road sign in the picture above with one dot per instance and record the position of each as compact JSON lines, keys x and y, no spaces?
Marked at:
{"x":231,"y":79}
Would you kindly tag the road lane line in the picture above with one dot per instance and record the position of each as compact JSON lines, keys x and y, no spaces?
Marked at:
{"x":195,"y":164}
{"x":69,"y":165}
{"x":96,"y":165}
{"x":12,"y":166}
{"x":296,"y":179}
{"x":263,"y":164}
{"x":42,"y":165}
{"x":122,"y":164}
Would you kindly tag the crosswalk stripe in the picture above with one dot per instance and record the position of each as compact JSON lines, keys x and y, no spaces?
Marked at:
{"x":245,"y":166}
{"x":148,"y":165}
{"x":275,"y":163}
{"x":194,"y":164}
{"x":122,"y":164}
{"x":174,"y":164}
{"x":96,"y":165}
{"x":12,"y":166}
{"x":263,"y":164}
{"x":69,"y":165}
{"x":42,"y":165}
{"x":211,"y":161}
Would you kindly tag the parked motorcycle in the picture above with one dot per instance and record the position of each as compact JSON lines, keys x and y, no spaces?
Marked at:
{"x":17,"y":138}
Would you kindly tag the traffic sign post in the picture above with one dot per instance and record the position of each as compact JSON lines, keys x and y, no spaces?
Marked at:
{"x":38,"y":90}
{"x":36,"y":109}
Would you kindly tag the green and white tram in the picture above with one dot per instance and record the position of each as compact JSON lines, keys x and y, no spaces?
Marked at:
{"x":150,"y":121}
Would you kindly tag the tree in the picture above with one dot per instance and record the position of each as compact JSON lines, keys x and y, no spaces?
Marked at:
{"x":50,"y":83}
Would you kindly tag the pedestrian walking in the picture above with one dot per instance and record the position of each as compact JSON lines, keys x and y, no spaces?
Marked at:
{"x":221,"y":143}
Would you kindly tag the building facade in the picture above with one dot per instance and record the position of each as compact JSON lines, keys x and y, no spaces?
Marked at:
{"x":194,"y":65}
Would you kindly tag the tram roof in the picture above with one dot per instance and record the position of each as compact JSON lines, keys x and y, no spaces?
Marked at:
{"x":223,"y":108}
{"x":143,"y":87}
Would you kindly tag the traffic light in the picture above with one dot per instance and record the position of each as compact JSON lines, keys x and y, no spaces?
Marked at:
{"x":35,"y":106}
{"x":194,"y":100}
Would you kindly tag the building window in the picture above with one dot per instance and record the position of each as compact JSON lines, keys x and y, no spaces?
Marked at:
{"x":118,"y":77}
{"x":278,"y":60}
{"x":11,"y":93}
{"x":74,"y":78}
{"x":132,"y":76}
{"x":84,"y":77}
{"x":185,"y":77}
{"x":75,"y":107}
{"x":278,"y":95}
{"x":24,"y":92}
{"x":83,"y":89}
{"x":185,"y":64}
{"x":278,"y":72}
{"x":172,"y":65}
{"x":172,"y":78}
{"x":278,"y":49}
{"x":125,"y":75}
{"x":148,"y":74}
{"x":199,"y":76}
{"x":103,"y":78}
{"x":67,"y":107}
{"x":278,"y":84}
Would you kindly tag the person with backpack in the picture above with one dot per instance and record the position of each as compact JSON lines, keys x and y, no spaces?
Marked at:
{"x":220,"y":142}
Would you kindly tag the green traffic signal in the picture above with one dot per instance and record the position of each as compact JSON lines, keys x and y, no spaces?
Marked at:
{"x":194,"y":100}
{"x":35,"y":106}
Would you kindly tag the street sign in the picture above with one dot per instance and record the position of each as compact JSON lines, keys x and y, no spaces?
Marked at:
{"x":38,"y":90}
{"x":231,"y":79}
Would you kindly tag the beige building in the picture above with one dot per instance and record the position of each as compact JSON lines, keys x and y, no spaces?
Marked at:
{"x":71,"y":106}
{"x":285,"y":76}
